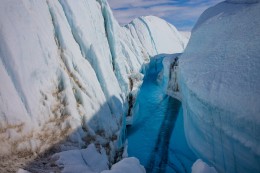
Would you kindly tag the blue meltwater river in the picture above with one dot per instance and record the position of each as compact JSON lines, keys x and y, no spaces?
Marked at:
{"x":156,"y":136}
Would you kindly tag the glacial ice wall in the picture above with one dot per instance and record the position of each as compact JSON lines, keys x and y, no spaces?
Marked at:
{"x":65,"y":74}
{"x":53,"y":83}
{"x":219,"y":82}
{"x":157,"y":36}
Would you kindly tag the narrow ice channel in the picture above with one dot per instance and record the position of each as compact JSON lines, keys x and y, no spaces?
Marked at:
{"x":156,"y":136}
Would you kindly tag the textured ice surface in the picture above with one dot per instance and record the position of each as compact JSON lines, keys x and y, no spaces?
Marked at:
{"x":219,"y":81}
{"x":157,"y":36}
{"x":44,"y":68}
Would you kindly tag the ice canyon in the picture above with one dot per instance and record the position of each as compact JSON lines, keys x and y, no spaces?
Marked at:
{"x":80,"y":93}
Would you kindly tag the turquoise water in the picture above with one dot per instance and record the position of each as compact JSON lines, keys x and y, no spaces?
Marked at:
{"x":156,"y":137}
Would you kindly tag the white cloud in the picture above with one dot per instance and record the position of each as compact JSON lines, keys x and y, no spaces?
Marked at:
{"x":182,"y":14}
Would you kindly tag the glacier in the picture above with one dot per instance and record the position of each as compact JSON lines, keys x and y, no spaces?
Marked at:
{"x":80,"y":93}
{"x":218,"y":77}
{"x":67,"y":73}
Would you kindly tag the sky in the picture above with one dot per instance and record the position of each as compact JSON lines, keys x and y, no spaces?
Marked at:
{"x":183,"y":14}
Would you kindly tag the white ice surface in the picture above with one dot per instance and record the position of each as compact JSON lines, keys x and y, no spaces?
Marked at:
{"x":201,"y":167}
{"x":90,"y":160}
{"x":219,"y":81}
{"x":157,"y":36}
{"x":127,"y":165}
{"x":87,"y":160}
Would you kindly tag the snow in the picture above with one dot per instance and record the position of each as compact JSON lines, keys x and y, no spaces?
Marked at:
{"x":219,"y":82}
{"x":87,"y":160}
{"x":127,"y":165}
{"x":201,"y":167}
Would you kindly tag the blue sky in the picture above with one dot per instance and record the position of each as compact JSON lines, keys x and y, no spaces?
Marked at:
{"x":181,"y":13}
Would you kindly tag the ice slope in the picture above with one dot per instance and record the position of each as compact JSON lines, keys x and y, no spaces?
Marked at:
{"x":44,"y":69}
{"x":66,"y":71}
{"x":56,"y":65}
{"x":157,"y":36}
{"x":219,"y":82}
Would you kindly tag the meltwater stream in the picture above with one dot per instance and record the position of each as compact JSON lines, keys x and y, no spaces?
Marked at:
{"x":156,"y":136}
